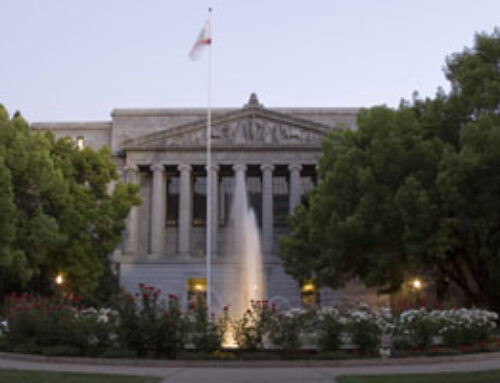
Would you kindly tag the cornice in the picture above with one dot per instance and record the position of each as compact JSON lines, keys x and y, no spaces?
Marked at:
{"x":92,"y":125}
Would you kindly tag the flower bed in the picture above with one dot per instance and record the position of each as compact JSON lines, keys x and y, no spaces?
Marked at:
{"x":152,"y":324}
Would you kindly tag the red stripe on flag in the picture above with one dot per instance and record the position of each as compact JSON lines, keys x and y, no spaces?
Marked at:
{"x":204,"y":42}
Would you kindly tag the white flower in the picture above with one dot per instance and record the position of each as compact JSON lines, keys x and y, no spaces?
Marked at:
{"x":4,"y":327}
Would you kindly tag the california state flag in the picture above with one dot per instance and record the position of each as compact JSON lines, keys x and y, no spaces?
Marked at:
{"x":204,"y":38}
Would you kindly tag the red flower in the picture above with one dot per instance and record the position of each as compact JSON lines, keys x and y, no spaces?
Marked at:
{"x":463,"y":348}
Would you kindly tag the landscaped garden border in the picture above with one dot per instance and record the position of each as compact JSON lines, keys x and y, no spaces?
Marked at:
{"x":152,"y":325}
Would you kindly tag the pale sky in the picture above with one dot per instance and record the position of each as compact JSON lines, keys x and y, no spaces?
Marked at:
{"x":76,"y":60}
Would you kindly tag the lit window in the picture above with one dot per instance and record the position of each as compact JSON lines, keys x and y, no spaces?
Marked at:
{"x":79,"y":143}
{"x":197,"y":291}
{"x":309,"y":294}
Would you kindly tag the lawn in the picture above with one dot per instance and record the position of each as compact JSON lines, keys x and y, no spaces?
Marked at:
{"x":469,"y":377}
{"x":15,"y":376}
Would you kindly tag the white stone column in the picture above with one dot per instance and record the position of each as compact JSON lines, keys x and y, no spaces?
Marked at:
{"x":185,"y":210}
{"x":267,"y":208}
{"x":214,"y":204}
{"x":132,"y":240}
{"x":158,"y":210}
{"x":294,"y":186}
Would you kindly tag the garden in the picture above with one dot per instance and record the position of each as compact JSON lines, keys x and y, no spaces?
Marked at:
{"x":152,"y":324}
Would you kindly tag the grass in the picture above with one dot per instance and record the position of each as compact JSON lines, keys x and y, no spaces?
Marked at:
{"x":15,"y":376}
{"x":466,"y":377}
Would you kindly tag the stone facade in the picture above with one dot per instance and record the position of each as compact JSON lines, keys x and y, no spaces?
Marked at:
{"x":164,"y":151}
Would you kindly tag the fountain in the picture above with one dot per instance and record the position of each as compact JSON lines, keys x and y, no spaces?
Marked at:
{"x":245,"y":281}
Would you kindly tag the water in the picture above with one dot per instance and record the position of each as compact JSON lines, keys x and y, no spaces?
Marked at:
{"x":245,"y":281}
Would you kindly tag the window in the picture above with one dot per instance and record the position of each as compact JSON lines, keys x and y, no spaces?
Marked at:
{"x":254,"y":187}
{"x":197,"y":292}
{"x":79,"y":142}
{"x":308,"y":178}
{"x":306,"y":184}
{"x":199,"y":198}
{"x":309,"y":294}
{"x":172,"y":199}
{"x":225,"y":199}
{"x":280,"y":200}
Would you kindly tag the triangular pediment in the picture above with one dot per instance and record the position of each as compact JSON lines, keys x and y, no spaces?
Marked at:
{"x":250,"y":127}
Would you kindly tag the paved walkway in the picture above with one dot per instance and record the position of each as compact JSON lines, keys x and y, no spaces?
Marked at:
{"x":254,"y":372}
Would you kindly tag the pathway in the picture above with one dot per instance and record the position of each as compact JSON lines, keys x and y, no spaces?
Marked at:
{"x":252,"y":372}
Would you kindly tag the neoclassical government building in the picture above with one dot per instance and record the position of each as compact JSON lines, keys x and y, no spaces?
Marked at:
{"x":164,"y":151}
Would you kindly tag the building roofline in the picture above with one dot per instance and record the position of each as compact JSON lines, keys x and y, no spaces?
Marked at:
{"x":92,"y":125}
{"x":141,"y":112}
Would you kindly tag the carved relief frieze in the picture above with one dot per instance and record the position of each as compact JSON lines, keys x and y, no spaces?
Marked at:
{"x":247,"y":131}
{"x":252,"y":126}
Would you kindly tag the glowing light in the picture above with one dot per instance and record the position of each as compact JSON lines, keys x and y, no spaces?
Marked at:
{"x":229,"y":340}
{"x":308,"y":286}
{"x":59,"y":279}
{"x":79,"y":143}
{"x":199,"y":287}
{"x":417,"y":284}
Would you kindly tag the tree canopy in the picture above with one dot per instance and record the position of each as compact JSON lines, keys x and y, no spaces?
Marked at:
{"x":56,"y":212}
{"x":413,"y":190}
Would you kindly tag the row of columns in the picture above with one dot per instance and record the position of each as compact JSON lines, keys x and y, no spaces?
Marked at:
{"x":158,"y":208}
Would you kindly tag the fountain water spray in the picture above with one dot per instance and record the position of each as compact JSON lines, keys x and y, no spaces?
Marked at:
{"x":246,"y":250}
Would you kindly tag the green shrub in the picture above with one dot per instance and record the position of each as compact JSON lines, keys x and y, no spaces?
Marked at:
{"x":466,"y":326}
{"x":40,"y":322}
{"x":119,"y":353}
{"x":285,"y":329}
{"x":29,"y":347}
{"x":128,"y":328}
{"x":330,"y":326}
{"x":150,"y":326}
{"x":61,"y":351}
{"x":415,"y":329}
{"x":171,"y":330}
{"x":364,"y":328}
{"x":207,"y":334}
{"x":253,"y":329}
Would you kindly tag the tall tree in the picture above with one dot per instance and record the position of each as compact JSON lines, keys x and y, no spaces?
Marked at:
{"x":58,"y":213}
{"x":412,"y":190}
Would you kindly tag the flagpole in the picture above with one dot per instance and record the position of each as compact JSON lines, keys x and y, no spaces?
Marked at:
{"x":209,"y":174}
